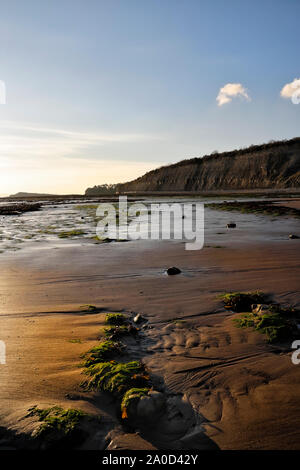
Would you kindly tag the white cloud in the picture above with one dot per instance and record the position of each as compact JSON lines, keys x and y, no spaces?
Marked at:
{"x":231,"y":90}
{"x":292,"y":90}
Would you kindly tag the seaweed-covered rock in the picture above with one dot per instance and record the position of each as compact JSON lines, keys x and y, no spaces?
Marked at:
{"x":276,"y":327}
{"x":115,"y":319}
{"x":118,"y":331}
{"x":105,"y":350}
{"x":60,"y":428}
{"x":117,"y":378}
{"x":242,"y":301}
{"x":142,"y":405}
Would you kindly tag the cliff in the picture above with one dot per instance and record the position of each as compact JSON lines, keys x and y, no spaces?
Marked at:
{"x":268,"y":166}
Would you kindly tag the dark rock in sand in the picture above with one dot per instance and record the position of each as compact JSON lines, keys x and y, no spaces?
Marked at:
{"x":231,"y":225}
{"x":173,"y":270}
{"x":150,"y":407}
{"x":292,"y":237}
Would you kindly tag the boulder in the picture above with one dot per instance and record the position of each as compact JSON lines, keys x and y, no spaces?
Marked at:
{"x":150,"y":407}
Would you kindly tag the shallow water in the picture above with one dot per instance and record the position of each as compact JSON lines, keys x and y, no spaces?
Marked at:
{"x":44,"y":228}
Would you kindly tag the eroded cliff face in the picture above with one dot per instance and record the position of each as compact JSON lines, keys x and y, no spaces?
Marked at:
{"x":273,"y":165}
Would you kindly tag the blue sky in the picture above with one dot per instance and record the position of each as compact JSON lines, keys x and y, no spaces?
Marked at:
{"x":102,"y":91}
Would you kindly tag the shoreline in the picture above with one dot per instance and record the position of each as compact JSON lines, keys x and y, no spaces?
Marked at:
{"x":259,"y":192}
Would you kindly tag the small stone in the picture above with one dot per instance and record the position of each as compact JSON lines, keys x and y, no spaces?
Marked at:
{"x":138,"y":318}
{"x":72,"y":396}
{"x":231,"y":225}
{"x":260,"y":308}
{"x":292,"y":236}
{"x":173,"y":270}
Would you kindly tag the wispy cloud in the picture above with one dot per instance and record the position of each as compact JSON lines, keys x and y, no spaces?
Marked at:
{"x":19,"y":140}
{"x":292,"y":90}
{"x":230,"y":91}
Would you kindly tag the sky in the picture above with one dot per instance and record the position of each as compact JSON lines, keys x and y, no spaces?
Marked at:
{"x":101,"y":91}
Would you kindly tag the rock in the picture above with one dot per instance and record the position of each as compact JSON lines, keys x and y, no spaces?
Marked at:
{"x":72,"y":396}
{"x":173,"y":270}
{"x":118,"y":440}
{"x":132,"y":330}
{"x":231,"y":225}
{"x":138,"y":318}
{"x":196,"y":432}
{"x":158,"y":397}
{"x":260,"y":308}
{"x":292,"y":237}
{"x":146,"y":408}
{"x":149,"y":407}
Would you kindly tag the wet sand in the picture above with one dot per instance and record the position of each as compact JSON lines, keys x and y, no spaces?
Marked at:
{"x":295,"y":203}
{"x":244,"y":392}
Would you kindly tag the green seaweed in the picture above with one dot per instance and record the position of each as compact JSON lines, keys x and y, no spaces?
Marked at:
{"x":273,"y":325}
{"x":59,"y":425}
{"x":105,"y":350}
{"x":242,"y":301}
{"x":71,"y":233}
{"x":131,"y":397}
{"x":177,"y":321}
{"x":89,"y":308}
{"x":101,"y":240}
{"x":87,"y":207}
{"x":255,"y":207}
{"x":117,"y":331}
{"x":115,"y":318}
{"x":115,"y":377}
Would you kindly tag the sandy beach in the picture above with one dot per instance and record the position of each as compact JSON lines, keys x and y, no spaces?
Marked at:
{"x":239,"y":392}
